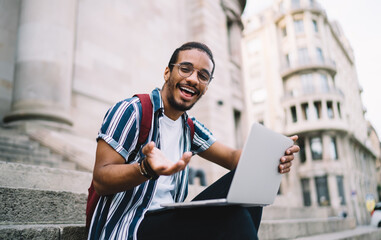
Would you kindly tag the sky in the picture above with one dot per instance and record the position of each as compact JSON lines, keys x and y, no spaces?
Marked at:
{"x":360,"y":21}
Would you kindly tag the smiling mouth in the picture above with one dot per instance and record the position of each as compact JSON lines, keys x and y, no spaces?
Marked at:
{"x":188,"y":91}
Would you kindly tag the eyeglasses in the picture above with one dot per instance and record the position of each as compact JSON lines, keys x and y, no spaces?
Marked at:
{"x":187,"y":69}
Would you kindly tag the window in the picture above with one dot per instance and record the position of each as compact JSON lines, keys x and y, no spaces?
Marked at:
{"x":322,"y":191}
{"x":338,"y":109}
{"x":324,"y":83}
{"x":293,"y":114}
{"x":238,"y":128}
{"x":299,"y":26}
{"x":340,"y":187}
{"x":302,"y":152}
{"x":281,"y":7}
{"x":284,"y":31}
{"x":303,"y":56}
{"x":295,"y":3}
{"x":259,"y":95}
{"x":333,"y":149}
{"x":316,"y":148}
{"x":317,"y":107}
{"x":287,"y":56}
{"x":319,"y":54}
{"x":306,"y":191}
{"x":314,"y":23}
{"x":307,"y":83}
{"x":305,"y":111}
{"x":330,"y":110}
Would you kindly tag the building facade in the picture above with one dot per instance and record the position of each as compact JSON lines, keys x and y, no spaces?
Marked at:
{"x":64,"y":63}
{"x":301,"y":79}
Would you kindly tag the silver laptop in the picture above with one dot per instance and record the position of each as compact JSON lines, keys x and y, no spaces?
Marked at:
{"x":256,"y":180}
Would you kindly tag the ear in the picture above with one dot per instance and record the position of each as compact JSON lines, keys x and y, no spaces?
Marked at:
{"x":167,"y":73}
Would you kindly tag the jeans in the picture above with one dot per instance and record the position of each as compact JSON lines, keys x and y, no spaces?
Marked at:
{"x":217,"y":222}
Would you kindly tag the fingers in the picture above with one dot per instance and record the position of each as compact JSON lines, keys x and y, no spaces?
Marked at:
{"x":285,"y":167}
{"x":285,"y":163}
{"x":178,"y":166}
{"x":294,"y":138}
{"x":148,"y":148}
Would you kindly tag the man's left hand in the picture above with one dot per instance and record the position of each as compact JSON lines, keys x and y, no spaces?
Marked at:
{"x":286,"y":160}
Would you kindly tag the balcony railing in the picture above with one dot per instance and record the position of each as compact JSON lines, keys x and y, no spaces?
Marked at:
{"x":308,"y":63}
{"x":315,"y":91}
{"x":303,"y":6}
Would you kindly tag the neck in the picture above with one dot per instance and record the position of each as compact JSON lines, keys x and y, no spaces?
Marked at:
{"x":169,"y":111}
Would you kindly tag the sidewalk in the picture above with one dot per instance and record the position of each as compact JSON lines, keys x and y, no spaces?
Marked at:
{"x":359,"y":233}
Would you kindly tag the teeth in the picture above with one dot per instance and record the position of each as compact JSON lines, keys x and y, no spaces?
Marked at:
{"x":188,"y":90}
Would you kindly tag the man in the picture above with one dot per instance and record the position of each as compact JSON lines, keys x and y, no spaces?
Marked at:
{"x":133,"y":189}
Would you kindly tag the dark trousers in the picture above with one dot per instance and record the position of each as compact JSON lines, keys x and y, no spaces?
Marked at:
{"x":219,"y":222}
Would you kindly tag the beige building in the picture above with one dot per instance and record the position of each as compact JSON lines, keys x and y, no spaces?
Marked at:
{"x":64,"y":63}
{"x":301,"y":79}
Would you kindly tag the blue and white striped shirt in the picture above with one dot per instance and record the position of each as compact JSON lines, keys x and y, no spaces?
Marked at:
{"x":118,"y":216}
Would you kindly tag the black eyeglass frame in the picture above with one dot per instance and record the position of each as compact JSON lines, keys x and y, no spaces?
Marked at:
{"x":191,"y":72}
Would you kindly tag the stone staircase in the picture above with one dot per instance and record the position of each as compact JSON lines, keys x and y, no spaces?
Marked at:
{"x":42,"y":193}
{"x":16,"y":146}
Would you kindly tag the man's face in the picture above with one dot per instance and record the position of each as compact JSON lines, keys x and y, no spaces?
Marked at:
{"x":179,"y":92}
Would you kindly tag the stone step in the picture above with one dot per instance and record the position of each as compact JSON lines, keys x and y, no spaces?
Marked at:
{"x":13,"y":141}
{"x":16,"y":175}
{"x":21,"y":206}
{"x":50,"y":157}
{"x":359,"y":233}
{"x":48,"y":162}
{"x":51,"y":232}
{"x":294,"y":228}
{"x":43,"y":151}
{"x":15,"y":134}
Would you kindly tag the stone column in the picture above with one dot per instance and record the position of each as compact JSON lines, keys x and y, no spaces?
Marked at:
{"x":44,"y":61}
{"x":235,"y":36}
{"x":333,"y":191}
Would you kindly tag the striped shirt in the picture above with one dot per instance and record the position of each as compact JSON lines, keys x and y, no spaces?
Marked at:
{"x":118,"y":216}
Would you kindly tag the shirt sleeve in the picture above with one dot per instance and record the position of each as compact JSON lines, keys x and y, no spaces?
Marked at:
{"x":202,"y":139}
{"x":120,"y":126}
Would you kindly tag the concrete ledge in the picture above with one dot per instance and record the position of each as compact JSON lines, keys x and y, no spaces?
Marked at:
{"x":276,"y":212}
{"x":294,"y":228}
{"x":17,"y":175}
{"x":30,"y":206}
{"x":51,"y":232}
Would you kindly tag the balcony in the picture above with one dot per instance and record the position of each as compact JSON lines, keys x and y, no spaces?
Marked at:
{"x":308,"y":63}
{"x":316,"y":110}
{"x":297,"y":8}
{"x":314,"y":94}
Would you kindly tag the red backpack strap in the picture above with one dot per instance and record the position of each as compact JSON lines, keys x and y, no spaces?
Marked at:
{"x":145,"y":124}
{"x":191,"y":126}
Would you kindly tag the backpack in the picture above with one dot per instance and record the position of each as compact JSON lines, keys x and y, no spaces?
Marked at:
{"x":145,"y":127}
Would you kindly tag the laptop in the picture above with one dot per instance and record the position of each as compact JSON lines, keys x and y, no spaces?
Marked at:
{"x":256,"y":180}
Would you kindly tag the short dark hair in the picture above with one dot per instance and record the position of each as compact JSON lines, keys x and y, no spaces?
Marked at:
{"x":189,"y":46}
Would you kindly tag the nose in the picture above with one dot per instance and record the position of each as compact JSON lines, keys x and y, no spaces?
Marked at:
{"x":193,"y":78}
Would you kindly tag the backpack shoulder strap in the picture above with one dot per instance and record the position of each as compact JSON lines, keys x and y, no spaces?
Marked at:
{"x":146,"y":119}
{"x":145,"y":124}
{"x":191,"y":126}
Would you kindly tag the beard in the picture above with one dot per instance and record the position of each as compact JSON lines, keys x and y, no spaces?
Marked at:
{"x":180,"y":106}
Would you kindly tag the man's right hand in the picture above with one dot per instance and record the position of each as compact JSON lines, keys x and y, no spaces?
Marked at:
{"x":162,"y":165}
